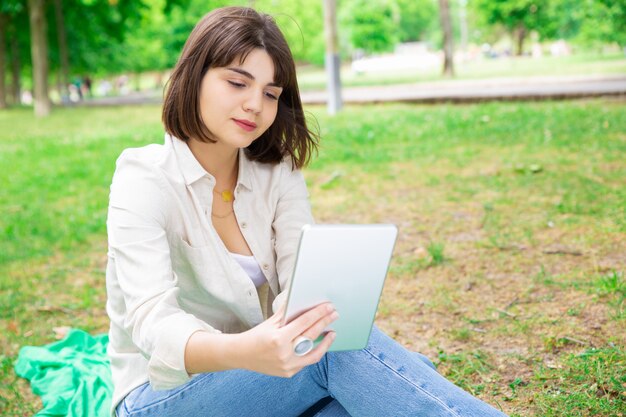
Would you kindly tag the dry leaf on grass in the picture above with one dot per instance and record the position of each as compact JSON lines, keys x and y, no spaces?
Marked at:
{"x":60,"y":332}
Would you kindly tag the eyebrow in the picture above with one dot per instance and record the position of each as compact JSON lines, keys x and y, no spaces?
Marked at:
{"x":250,"y":76}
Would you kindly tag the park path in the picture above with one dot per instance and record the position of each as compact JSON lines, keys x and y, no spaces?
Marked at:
{"x":529,"y":88}
{"x":522,"y":88}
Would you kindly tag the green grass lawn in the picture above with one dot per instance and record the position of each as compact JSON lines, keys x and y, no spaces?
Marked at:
{"x":508,"y":271}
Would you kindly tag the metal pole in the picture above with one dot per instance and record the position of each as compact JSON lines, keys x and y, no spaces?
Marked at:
{"x":332,"y":62}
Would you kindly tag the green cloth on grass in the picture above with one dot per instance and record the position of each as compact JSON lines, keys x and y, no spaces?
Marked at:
{"x":72,"y":376}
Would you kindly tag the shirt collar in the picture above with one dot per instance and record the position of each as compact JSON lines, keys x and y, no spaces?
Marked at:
{"x":187,"y":163}
{"x":192,"y":170}
{"x":244,"y":177}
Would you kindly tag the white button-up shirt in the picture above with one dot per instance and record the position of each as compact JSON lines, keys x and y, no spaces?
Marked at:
{"x":169,"y":273}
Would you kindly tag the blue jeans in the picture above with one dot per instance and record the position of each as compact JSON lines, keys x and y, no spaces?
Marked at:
{"x":384,"y":379}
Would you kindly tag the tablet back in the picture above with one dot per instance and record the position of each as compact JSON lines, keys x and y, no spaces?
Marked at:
{"x":346,"y":265}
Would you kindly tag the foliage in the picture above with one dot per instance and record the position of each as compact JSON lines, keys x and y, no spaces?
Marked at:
{"x":94,"y":47}
{"x":418,"y":19}
{"x":302,"y":23}
{"x":173,"y":28}
{"x":583,"y":21}
{"x":12,"y":7}
{"x":604,"y":21}
{"x":518,"y":17}
{"x":586,"y":21}
{"x":103,"y":36}
{"x":371,"y":24}
{"x":514,"y":14}
{"x":17,"y":31}
{"x":565,"y":18}
{"x":142,"y":49}
{"x":107,"y":37}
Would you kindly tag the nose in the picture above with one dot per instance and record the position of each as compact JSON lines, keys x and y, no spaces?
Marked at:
{"x":254,"y":102}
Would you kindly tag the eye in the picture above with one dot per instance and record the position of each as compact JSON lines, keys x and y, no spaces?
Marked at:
{"x":271,"y":96}
{"x":236,"y":84}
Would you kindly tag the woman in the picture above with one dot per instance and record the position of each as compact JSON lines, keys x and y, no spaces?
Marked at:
{"x":202,"y":237}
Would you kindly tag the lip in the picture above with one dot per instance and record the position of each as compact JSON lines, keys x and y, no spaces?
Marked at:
{"x":246,"y":125}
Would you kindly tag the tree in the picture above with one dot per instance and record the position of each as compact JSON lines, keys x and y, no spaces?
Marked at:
{"x":519,"y":17}
{"x":94,"y":48}
{"x":15,"y":58}
{"x":446,"y":27}
{"x":12,"y":14}
{"x":371,"y":24}
{"x":584,"y":21}
{"x":64,"y":70}
{"x":302,"y":23}
{"x":180,"y":21}
{"x":418,"y":18}
{"x":564,"y":19}
{"x":604,"y":21}
{"x":39,"y":51}
{"x":3,"y":25}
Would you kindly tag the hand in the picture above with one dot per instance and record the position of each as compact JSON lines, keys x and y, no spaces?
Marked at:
{"x":268,"y":347}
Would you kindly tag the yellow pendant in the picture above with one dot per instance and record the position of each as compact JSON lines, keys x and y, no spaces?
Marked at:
{"x":227,"y":196}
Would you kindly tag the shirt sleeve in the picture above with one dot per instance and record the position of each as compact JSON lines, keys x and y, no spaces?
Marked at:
{"x":293,"y":211}
{"x":136,"y":226}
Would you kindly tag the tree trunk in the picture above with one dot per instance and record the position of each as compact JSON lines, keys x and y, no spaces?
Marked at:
{"x":39,"y":52}
{"x":16,"y":89}
{"x":3,"y":54}
{"x":64,"y":73}
{"x":448,"y":47}
{"x":520,"y":36}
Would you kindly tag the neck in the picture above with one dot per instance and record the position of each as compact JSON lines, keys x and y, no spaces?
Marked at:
{"x":217,"y":160}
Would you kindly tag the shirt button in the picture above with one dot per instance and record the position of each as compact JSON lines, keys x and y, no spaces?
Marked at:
{"x":266,"y":266}
{"x":244,"y":225}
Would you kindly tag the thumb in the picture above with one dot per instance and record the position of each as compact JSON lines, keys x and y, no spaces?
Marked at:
{"x":279,"y":314}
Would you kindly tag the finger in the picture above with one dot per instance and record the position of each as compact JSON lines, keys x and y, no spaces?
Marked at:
{"x":304,"y":321}
{"x":319,"y":326}
{"x":280,"y":313}
{"x":320,"y":350}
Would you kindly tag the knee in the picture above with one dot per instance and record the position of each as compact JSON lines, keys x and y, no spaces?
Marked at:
{"x":378,"y":337}
{"x":424,"y":359}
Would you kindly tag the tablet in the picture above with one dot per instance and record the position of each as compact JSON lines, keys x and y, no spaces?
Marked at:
{"x":345,"y":265}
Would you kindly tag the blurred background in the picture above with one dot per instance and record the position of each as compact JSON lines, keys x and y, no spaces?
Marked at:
{"x":85,"y":49}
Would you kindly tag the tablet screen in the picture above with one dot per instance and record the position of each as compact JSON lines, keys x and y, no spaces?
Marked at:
{"x":345,"y":265}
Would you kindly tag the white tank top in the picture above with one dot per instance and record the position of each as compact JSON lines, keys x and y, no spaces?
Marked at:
{"x":251,"y":267}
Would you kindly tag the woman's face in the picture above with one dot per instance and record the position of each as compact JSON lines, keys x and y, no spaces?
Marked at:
{"x":239,"y":102}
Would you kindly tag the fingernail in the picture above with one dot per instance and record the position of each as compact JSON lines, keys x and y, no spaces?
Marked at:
{"x":329,"y":308}
{"x":334,"y":316}
{"x":333,"y":335}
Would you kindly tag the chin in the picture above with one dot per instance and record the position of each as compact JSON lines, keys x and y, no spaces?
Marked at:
{"x":247,"y":142}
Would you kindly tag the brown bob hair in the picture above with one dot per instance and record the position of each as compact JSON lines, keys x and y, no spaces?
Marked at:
{"x":218,"y":39}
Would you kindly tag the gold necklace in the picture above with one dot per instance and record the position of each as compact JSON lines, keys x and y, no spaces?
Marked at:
{"x":227,"y":195}
{"x":223,"y":216}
